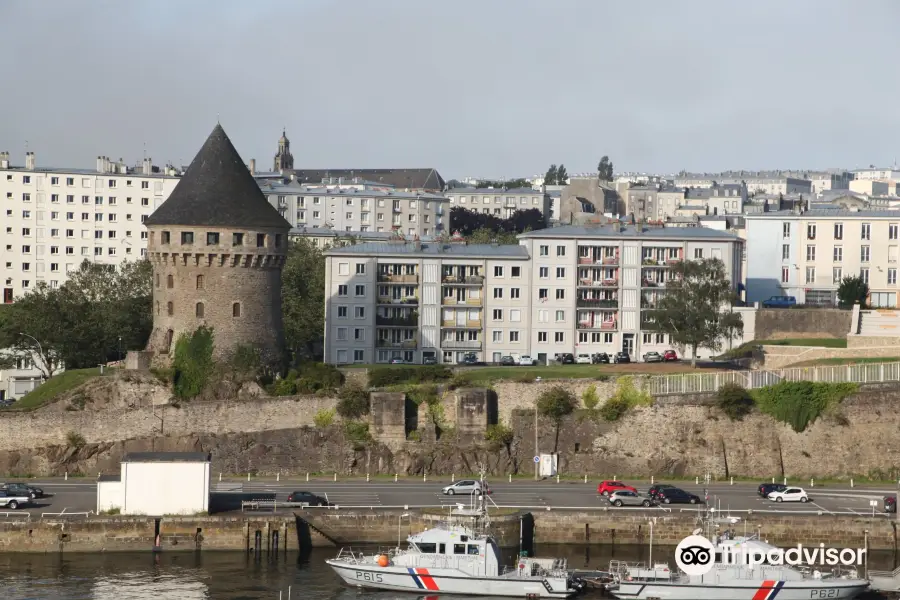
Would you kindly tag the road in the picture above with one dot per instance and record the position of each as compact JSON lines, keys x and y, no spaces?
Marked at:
{"x":79,"y":495}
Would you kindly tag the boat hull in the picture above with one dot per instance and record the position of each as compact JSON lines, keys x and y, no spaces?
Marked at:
{"x":744,"y":590}
{"x":448,"y":581}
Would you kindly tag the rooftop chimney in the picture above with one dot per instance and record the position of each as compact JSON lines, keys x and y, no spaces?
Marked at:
{"x":29,"y":161}
{"x":4,"y":160}
{"x":147,"y":166}
{"x":99,"y":164}
{"x":253,"y":166}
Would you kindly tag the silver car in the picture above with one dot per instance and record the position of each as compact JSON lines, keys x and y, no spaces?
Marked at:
{"x":629,"y":498}
{"x":465,"y":487}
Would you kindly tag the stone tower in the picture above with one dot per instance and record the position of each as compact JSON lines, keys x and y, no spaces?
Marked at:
{"x":284,"y":159}
{"x":217,"y":248}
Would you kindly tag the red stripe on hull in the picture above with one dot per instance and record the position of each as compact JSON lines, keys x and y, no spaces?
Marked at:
{"x":763,"y":592}
{"x":427,"y":580}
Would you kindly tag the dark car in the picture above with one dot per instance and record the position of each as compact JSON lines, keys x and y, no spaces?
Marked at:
{"x":677,"y":496}
{"x":429,"y":360}
{"x":621,"y":357}
{"x":470,"y":359}
{"x":307,"y":498}
{"x":780,"y":302}
{"x":600,"y":358}
{"x":655,"y":490}
{"x":890,"y":504}
{"x":767,"y":488}
{"x":22,"y":489}
{"x":507,"y":360}
{"x":567,"y":359}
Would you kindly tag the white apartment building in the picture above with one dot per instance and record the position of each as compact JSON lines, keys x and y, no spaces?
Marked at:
{"x":806,"y":254}
{"x":878,"y":174}
{"x":756,"y":182}
{"x":359,"y":208}
{"x":499,"y":202}
{"x":565,"y":289}
{"x":55,"y":218}
{"x":873,"y":187}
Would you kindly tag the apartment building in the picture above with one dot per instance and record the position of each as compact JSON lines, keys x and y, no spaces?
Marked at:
{"x":878,"y":174}
{"x":414,"y":300}
{"x":873,"y":187}
{"x":806,"y":254}
{"x":55,"y":218}
{"x":499,"y":202}
{"x":564,"y":289}
{"x":757,"y":182}
{"x":360,"y":207}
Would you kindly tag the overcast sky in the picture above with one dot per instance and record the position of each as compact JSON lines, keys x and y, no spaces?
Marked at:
{"x":471,"y":87}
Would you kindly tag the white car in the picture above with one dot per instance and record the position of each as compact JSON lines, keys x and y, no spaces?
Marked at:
{"x":465,"y":487}
{"x":526,"y":361}
{"x":583,"y":359}
{"x":13,"y":501}
{"x":790,"y":494}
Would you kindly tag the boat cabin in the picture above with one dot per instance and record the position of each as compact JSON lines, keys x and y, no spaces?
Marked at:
{"x":456,"y":547}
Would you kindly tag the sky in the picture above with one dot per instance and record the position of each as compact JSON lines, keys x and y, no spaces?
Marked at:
{"x":480,"y":88}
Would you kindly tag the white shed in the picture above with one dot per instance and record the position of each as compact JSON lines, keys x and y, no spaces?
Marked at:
{"x":158,"y":483}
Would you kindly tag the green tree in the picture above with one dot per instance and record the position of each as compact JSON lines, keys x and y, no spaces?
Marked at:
{"x":694,"y":310}
{"x":556,"y":404}
{"x":852,"y":290}
{"x":303,"y":299}
{"x":551,"y":177}
{"x":605,"y":169}
{"x":562,"y":176}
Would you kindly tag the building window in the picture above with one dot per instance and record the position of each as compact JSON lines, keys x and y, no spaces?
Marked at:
{"x":199,"y":310}
{"x":892,"y":276}
{"x":785,"y":274}
{"x":342,"y":312}
{"x":237,"y":239}
{"x":514,"y":293}
{"x":498,"y":271}
{"x":359,"y":356}
{"x":864,"y":275}
{"x":560,"y":250}
{"x":278,"y":240}
{"x":838,"y":253}
{"x":810,"y":253}
{"x":542,"y":336}
{"x":513,"y":336}
{"x":360,"y":290}
{"x":544,"y":272}
{"x":543,"y":293}
{"x":864,"y":254}
{"x":866,"y":231}
{"x":785,"y":252}
{"x":892,"y":231}
{"x":342,"y":290}
{"x":786,"y":230}
{"x":170,"y":281}
{"x":516,"y":271}
{"x":545,"y":250}
{"x":698,"y":253}
{"x":559,"y":337}
{"x":560,"y":316}
{"x":260,"y":240}
{"x":187,"y":238}
{"x":811,"y":231}
{"x":498,"y":292}
{"x":497,"y":314}
{"x":560,"y":272}
{"x":836,"y":275}
{"x":165,"y":237}
{"x":359,"y":312}
{"x":497,"y":336}
{"x":199,"y":282}
{"x":359,"y":334}
{"x":236,"y":310}
{"x":810,"y":274}
{"x":212,"y":239}
{"x":560,"y":294}
{"x":170,"y":308}
{"x":360,"y":269}
{"x":607,"y":338}
{"x":838,"y":231}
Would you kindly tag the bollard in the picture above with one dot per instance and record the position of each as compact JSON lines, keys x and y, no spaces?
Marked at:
{"x":851,"y":482}
{"x":452,"y":477}
{"x":732,"y":481}
{"x":220,"y":477}
{"x":367,"y":478}
{"x":557,"y":478}
{"x":773,"y":480}
{"x":697,"y":480}
{"x":424,"y":476}
{"x":510,"y":477}
{"x":812,"y":483}
{"x":585,"y":478}
{"x":248,"y":476}
{"x":278,"y":476}
{"x":395,"y":478}
{"x":67,"y":475}
{"x":785,"y":481}
{"x":307,"y":477}
{"x":335,"y":475}
{"x":651,"y":480}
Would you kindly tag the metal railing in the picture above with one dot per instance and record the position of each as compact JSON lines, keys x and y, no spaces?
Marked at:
{"x":702,"y":383}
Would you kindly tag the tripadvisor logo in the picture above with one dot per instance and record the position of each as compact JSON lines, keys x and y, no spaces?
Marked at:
{"x":696,"y":555}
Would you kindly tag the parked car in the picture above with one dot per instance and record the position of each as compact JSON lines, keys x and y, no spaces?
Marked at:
{"x":677,"y":496}
{"x":429,"y":360}
{"x":621,"y":357}
{"x":12,"y":501}
{"x":6,"y":402}
{"x":790,"y":494}
{"x":669,"y":356}
{"x":507,"y":360}
{"x":398,"y":361}
{"x":652,"y":357}
{"x":466,"y":486}
{"x":629,"y":498}
{"x":605,"y":488}
{"x":654,"y":491}
{"x":780,"y":302}
{"x":583,"y":359}
{"x":766,"y":488}
{"x":566,"y":359}
{"x":890,"y":504}
{"x":307,"y":498}
{"x":526,"y":361}
{"x":470,"y":359}
{"x":22,"y":489}
{"x":600,"y":358}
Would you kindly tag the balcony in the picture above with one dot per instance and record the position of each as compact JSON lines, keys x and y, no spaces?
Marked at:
{"x":410,"y":321}
{"x":461,"y":344}
{"x":458,"y":280}
{"x":389,"y":300}
{"x":653,"y":262}
{"x":595,"y":283}
{"x":601,"y":325}
{"x":596,"y":303}
{"x":457,"y":302}
{"x":392,"y":278}
{"x":469,"y":324}
{"x":646,"y":283}
{"x":606,"y":261}
{"x":396,"y":344}
{"x":397,"y":209}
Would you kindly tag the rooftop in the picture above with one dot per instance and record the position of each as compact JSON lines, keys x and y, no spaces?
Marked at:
{"x":830,"y":213}
{"x":167,"y":457}
{"x":454,"y":249}
{"x":428,"y":179}
{"x":217,"y":191}
{"x":334,"y":233}
{"x":473,"y":190}
{"x":274,"y":189}
{"x":628,"y":231}
{"x":133,"y":173}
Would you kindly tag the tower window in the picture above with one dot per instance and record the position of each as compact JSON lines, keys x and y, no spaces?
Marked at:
{"x":170,"y":281}
{"x":199,"y":310}
{"x":157,"y":280}
{"x":278,"y":240}
{"x":199,"y":282}
{"x":237,"y":239}
{"x":166,"y":237}
{"x":170,"y":308}
{"x":187,"y":237}
{"x":212,"y":239}
{"x":260,"y":240}
{"x":236,"y":310}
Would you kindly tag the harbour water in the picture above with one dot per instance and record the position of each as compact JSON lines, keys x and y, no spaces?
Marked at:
{"x":236,"y":575}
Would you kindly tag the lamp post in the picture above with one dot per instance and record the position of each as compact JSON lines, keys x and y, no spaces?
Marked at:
{"x":399,"y":519}
{"x":40,"y":350}
{"x":120,"y":348}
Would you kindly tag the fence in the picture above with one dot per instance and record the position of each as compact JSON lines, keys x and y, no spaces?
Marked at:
{"x":704,"y":383}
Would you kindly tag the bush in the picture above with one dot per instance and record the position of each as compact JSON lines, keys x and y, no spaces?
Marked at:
{"x":384,"y":376}
{"x":193,"y":362}
{"x":353,"y":402}
{"x":556,"y":403}
{"x":414,"y":436}
{"x":800,"y":403}
{"x":245,"y":362}
{"x":75,"y":439}
{"x":499,"y":434}
{"x":320,"y":375}
{"x":590,"y":398}
{"x":357,"y":433}
{"x":627,"y":396}
{"x":324,"y":418}
{"x":614,"y":409}
{"x":424,"y":394}
{"x":735,"y":401}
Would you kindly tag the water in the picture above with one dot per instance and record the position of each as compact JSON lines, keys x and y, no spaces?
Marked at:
{"x":235,"y":575}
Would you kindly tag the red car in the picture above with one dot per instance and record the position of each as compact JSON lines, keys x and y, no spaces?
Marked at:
{"x":669,"y":355}
{"x":608,"y":487}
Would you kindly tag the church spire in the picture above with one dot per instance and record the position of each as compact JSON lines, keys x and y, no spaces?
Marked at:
{"x":283,"y":159}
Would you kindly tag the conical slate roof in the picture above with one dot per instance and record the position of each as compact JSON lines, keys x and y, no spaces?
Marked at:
{"x":217,"y":190}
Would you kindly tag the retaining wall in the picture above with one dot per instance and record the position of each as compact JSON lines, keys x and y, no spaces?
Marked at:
{"x":777,"y":324}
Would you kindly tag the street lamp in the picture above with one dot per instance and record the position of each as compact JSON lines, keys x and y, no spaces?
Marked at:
{"x":120,"y":348}
{"x":40,"y":350}
{"x":399,"y":519}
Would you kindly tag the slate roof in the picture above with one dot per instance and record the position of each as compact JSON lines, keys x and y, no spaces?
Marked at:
{"x":166,"y":457}
{"x":628,"y":231}
{"x":217,"y":191}
{"x":433,"y":249}
{"x":425,"y":179}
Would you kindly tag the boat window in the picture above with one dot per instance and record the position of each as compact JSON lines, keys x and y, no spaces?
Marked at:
{"x":473,"y":549}
{"x":459,"y":548}
{"x":442,"y":548}
{"x":427,"y":548}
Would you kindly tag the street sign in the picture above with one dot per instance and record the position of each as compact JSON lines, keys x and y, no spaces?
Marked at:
{"x":873,"y":502}
{"x":537,"y":459}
